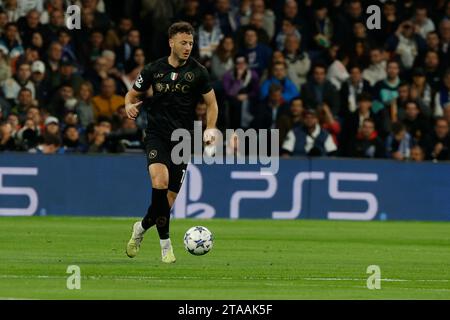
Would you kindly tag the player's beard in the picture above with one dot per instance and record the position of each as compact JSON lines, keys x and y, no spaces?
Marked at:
{"x":182,"y":57}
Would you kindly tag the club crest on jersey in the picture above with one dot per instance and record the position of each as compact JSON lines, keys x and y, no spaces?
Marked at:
{"x":189,"y":76}
{"x":173,"y":76}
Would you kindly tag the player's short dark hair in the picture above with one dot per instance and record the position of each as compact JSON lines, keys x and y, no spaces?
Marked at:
{"x":180,"y":27}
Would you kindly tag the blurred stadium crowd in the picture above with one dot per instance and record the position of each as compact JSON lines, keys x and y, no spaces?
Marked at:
{"x":312,"y":69}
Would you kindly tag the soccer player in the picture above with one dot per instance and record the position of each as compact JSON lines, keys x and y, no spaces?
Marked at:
{"x":177,"y":83}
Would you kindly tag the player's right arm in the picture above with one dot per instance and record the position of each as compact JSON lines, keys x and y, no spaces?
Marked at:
{"x":132,"y":103}
{"x":133,"y":98}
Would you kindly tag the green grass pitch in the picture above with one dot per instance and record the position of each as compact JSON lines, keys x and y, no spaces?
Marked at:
{"x":251,"y":259}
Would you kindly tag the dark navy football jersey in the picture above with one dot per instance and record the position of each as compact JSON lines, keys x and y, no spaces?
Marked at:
{"x":176,"y":92}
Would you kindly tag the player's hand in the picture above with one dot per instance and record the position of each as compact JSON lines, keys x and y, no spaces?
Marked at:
{"x":132,"y":110}
{"x":209,"y":136}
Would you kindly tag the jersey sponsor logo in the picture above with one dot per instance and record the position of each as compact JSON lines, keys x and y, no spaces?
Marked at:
{"x":170,"y":87}
{"x":189,"y":76}
{"x":139,"y":81}
{"x":173,"y":76}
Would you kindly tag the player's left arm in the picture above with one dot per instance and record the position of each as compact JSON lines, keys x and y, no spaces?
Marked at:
{"x":212,"y":109}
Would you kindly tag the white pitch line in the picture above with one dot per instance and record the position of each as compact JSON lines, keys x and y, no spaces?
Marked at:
{"x":12,"y":276}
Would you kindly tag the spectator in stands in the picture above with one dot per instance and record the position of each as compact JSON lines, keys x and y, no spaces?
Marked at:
{"x":415,"y":122}
{"x":51,"y":144}
{"x":387,"y":90}
{"x":25,"y":101}
{"x":444,"y":51}
{"x":66,"y":74}
{"x":256,"y":23}
{"x":354,"y":120}
{"x":241,"y":88}
{"x":432,"y":69}
{"x":22,"y":79}
{"x":62,"y":101}
{"x":309,"y":139}
{"x":5,"y":66}
{"x":289,"y":120}
{"x":56,"y":22}
{"x":101,"y":20}
{"x":40,"y":81}
{"x":190,"y":13}
{"x":209,"y":36}
{"x":351,"y":89}
{"x":54,"y":58}
{"x":396,"y":108}
{"x":279,"y":76}
{"x":71,"y":140}
{"x":97,"y":137}
{"x":298,"y":62}
{"x":321,"y":27}
{"x":12,"y":10}
{"x":399,"y":142}
{"x":222,"y":59}
{"x":288,"y":28}
{"x":377,"y":69}
{"x":421,"y":91}
{"x":442,"y":97}
{"x":116,"y":36}
{"x":271,"y":108}
{"x":107,"y":102}
{"x":97,"y":74}
{"x":290,"y":12}
{"x":125,"y":51}
{"x":328,"y":122}
{"x":7,"y":142}
{"x":258,"y":55}
{"x":417,"y":153}
{"x":447,"y":114}
{"x":366,"y":143}
{"x":28,"y":136}
{"x":128,"y":138}
{"x":226,"y":16}
{"x":337,"y":72}
{"x":9,"y":40}
{"x":94,"y":47}
{"x":406,"y":44}
{"x":318,"y":90}
{"x":259,"y":11}
{"x":28,"y":25}
{"x":432,"y":40}
{"x":422,"y":23}
{"x":34,"y":113}
{"x":51,"y":126}
{"x":68,"y":50}
{"x":438,"y":146}
{"x":13,"y":120}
